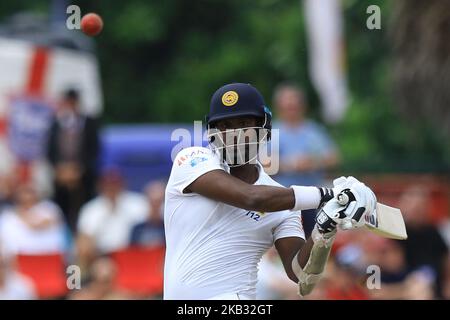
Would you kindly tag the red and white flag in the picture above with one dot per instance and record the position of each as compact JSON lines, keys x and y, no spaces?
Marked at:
{"x":32,"y":79}
{"x":324,"y":27}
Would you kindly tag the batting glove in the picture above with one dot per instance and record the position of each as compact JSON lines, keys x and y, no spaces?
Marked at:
{"x":359,"y":200}
{"x":339,"y":184}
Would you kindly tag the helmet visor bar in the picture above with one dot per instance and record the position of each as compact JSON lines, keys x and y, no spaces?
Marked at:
{"x":238,"y":146}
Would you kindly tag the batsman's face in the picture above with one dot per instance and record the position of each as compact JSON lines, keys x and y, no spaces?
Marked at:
{"x":237,"y":139}
{"x":237,"y":123}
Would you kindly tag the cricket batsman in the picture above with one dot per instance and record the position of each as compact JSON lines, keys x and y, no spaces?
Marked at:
{"x":223,"y":212}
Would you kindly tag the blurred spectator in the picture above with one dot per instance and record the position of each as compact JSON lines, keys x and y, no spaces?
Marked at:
{"x":273,"y":284}
{"x":13,"y":285}
{"x":31,"y":225}
{"x":7,"y":186}
{"x":306,"y":150}
{"x":345,"y":277}
{"x":151,"y":231}
{"x":424,"y":246}
{"x":390,"y":257}
{"x":106,"y":221}
{"x":397,"y":280}
{"x":444,"y":230}
{"x":72,"y":150}
{"x":339,"y":282}
{"x":102,"y":284}
{"x":446,"y":286}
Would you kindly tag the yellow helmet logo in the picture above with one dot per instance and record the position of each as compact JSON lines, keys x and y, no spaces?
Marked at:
{"x":230,"y":98}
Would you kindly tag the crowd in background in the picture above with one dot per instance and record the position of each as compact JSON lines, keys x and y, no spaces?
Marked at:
{"x":416,"y":268}
{"x":89,"y":217}
{"x":92,"y":221}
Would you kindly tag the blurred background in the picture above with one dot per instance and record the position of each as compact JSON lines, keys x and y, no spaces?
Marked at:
{"x":86,"y":134}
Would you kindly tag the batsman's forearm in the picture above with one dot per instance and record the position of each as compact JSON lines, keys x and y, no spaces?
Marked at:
{"x":222,"y":187}
{"x":270,"y":199}
{"x":304,"y":253}
{"x":301,"y":256}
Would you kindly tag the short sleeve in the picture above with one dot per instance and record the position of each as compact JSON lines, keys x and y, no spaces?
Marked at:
{"x":290,"y":227}
{"x":136,"y":206}
{"x":49,"y":210}
{"x":87,"y":221}
{"x":8,"y":245}
{"x":189,"y":165}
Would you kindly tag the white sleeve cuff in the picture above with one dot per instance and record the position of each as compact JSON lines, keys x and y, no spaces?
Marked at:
{"x":306,"y":198}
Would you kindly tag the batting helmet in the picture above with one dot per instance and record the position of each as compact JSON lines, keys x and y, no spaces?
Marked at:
{"x":236,"y":100}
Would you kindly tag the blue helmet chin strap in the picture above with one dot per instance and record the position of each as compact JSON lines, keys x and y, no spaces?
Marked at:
{"x":268,"y":121}
{"x":267,"y":111}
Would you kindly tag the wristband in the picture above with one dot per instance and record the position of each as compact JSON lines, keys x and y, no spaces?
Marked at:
{"x":306,"y":198}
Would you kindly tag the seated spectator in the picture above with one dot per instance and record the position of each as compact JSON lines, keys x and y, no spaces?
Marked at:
{"x":345,"y":281}
{"x":13,"y":285}
{"x":151,"y":231}
{"x":101,"y":285}
{"x":398,"y":281}
{"x":31,"y":225}
{"x":446,"y":285}
{"x":425,"y":246}
{"x":106,"y":221}
{"x":7,"y":186}
{"x":444,"y":230}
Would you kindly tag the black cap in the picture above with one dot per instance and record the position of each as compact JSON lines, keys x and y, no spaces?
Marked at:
{"x":237,"y":99}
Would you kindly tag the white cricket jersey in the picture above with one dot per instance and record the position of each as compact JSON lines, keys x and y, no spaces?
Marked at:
{"x":213,"y":249}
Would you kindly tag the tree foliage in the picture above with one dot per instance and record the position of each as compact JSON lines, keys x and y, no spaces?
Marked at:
{"x":162,"y":60}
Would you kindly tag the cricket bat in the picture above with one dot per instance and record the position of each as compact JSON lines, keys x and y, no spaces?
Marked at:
{"x":387,"y":222}
{"x":384,"y":220}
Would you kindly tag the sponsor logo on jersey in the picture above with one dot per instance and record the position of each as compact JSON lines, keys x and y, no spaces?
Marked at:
{"x":197,"y":160}
{"x":191,"y":155}
{"x":255,"y":215}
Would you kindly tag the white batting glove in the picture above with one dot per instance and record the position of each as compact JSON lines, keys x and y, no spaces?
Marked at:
{"x":339,"y":184}
{"x":342,"y":183}
{"x":329,"y":216}
{"x":348,"y":208}
{"x":359,"y":201}
{"x":331,"y":211}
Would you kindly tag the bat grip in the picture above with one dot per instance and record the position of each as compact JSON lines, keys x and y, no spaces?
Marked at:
{"x":343,"y":198}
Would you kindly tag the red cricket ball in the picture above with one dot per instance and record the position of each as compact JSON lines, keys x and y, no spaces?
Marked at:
{"x":91,"y":24}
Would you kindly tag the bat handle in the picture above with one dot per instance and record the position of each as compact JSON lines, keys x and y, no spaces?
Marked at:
{"x":343,"y":199}
{"x":346,"y":224}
